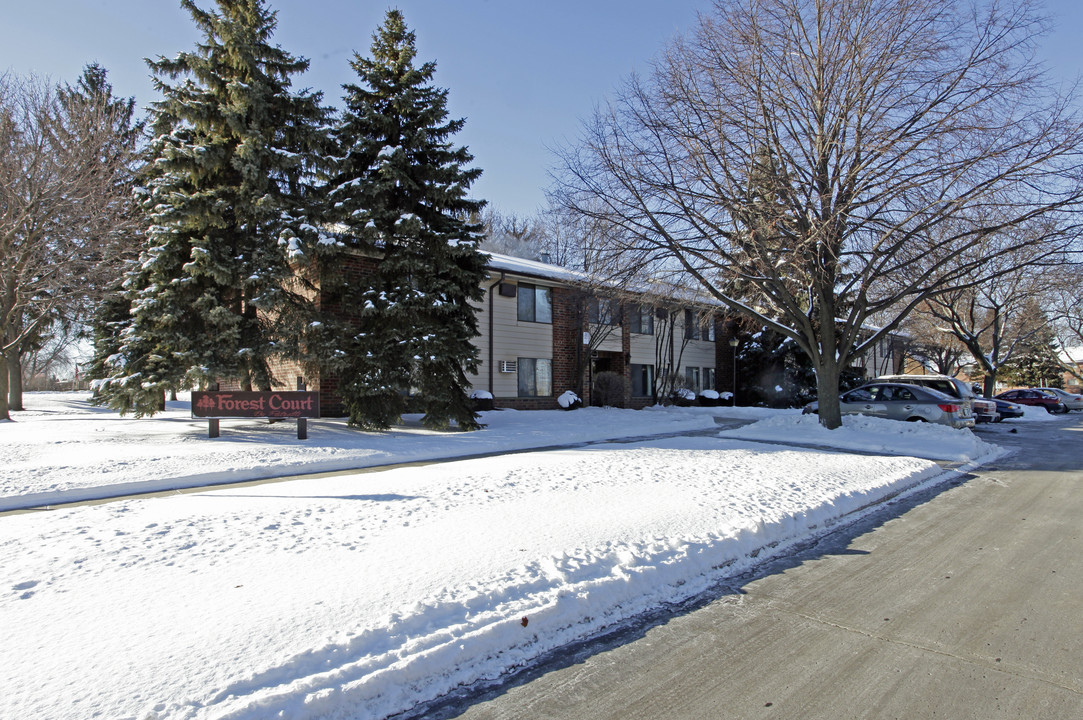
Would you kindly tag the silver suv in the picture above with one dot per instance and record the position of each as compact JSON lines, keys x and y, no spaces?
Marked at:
{"x":984,"y":410}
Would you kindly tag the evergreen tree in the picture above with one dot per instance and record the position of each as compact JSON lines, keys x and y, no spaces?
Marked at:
{"x":1035,"y":363}
{"x":399,"y":192}
{"x":230,"y":202}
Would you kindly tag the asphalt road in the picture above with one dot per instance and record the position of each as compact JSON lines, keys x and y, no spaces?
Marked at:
{"x":963,"y":602}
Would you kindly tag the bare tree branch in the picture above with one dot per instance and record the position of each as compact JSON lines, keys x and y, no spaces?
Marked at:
{"x":811,"y":163}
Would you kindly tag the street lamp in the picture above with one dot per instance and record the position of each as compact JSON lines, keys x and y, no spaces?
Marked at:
{"x":733,"y":393}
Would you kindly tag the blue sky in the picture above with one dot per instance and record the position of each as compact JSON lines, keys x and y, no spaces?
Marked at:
{"x":522,"y":73}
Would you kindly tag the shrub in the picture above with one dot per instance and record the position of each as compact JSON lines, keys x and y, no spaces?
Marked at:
{"x":609,"y":389}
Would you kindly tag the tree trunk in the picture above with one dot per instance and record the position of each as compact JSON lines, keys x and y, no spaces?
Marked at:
{"x":15,"y":381}
{"x":827,"y":392}
{"x":989,"y":385}
{"x":4,"y":414}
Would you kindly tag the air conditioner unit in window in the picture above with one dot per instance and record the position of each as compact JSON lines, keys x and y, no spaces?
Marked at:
{"x":509,"y":366}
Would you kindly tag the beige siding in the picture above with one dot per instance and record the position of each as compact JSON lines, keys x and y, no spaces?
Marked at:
{"x":642,"y":348}
{"x":686,"y":353}
{"x":698,"y":353}
{"x":612,"y":341}
{"x":512,"y":340}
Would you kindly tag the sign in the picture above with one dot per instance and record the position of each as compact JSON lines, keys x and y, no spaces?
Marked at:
{"x":239,"y":404}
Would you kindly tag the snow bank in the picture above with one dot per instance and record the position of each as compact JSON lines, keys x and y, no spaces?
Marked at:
{"x":874,"y":435}
{"x":360,"y":596}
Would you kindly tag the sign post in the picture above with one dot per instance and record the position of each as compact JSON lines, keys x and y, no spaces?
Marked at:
{"x":302,"y":422}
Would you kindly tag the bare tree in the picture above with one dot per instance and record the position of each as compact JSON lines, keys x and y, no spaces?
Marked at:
{"x":50,"y":357}
{"x":570,"y":239}
{"x":994,"y":319}
{"x":61,"y":209}
{"x":926,"y":342}
{"x":512,"y":235}
{"x":1065,"y":311}
{"x":811,"y":163}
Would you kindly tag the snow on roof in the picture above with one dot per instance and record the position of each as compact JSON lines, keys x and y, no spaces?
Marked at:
{"x":1072,"y":354}
{"x":533,"y":268}
{"x":537,"y":269}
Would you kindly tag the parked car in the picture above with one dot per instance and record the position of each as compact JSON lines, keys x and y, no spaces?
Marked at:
{"x":1035,"y":398}
{"x":982,"y":410}
{"x":1008,"y":409}
{"x":899,"y":401}
{"x":1070,"y":400}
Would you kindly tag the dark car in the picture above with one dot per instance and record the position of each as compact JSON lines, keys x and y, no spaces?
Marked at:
{"x":1034,"y":398}
{"x":1008,"y":409}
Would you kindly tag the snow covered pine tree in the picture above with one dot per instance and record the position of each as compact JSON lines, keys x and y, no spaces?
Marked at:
{"x":398,"y":191}
{"x":230,"y":202}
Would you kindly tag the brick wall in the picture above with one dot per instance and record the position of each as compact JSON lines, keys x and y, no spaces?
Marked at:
{"x":357,"y":268}
{"x":528,"y":403}
{"x":567,"y":338}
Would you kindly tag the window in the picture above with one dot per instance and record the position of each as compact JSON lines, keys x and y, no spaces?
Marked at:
{"x":535,"y":303}
{"x":641,"y":320}
{"x":642,"y":380}
{"x":603,"y":311}
{"x":706,"y":331}
{"x":903,"y":395}
{"x":535,"y":377}
{"x":857,"y":396}
{"x":708,"y":378}
{"x":698,"y":327}
{"x":692,"y":375}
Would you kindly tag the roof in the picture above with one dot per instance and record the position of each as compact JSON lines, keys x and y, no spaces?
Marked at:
{"x":533,"y":268}
{"x":657,"y":290}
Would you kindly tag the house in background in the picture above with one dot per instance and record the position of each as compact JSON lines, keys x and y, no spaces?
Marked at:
{"x":546,"y":329}
{"x":1072,"y":357}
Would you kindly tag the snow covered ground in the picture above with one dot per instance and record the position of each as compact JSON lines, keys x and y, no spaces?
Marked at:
{"x":362,"y":594}
{"x":62,"y":449}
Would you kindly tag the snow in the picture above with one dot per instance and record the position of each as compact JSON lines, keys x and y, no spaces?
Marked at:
{"x":567,"y":399}
{"x":362,"y":594}
{"x":101,"y":454}
{"x":870,"y":434}
{"x":532,"y":268}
